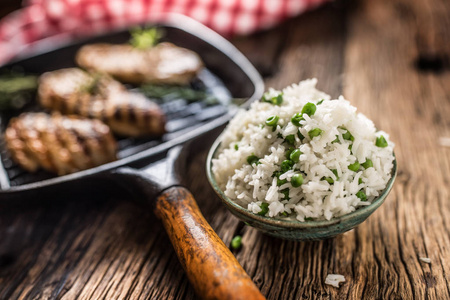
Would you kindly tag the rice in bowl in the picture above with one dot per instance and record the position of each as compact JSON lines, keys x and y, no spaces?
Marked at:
{"x":299,"y":154}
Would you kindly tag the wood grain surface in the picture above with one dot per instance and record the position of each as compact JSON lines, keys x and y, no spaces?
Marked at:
{"x":391,"y":58}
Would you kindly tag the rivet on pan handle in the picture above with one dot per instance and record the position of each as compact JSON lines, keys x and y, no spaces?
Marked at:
{"x":211,"y":268}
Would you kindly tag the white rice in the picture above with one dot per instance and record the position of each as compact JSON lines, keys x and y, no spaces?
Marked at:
{"x":334,"y":279}
{"x":252,"y":185}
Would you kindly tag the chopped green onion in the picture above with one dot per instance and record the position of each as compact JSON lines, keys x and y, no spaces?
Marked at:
{"x":284,"y":214}
{"x":367,"y":164}
{"x":286,"y":165}
{"x":236,"y":147}
{"x":309,"y":109}
{"x":314,"y":132}
{"x":308,"y":219}
{"x":264,"y":209}
{"x":320,"y":102}
{"x":296,"y":119}
{"x":290,"y":139}
{"x":336,"y":140}
{"x":285,"y":192}
{"x":297,"y":180}
{"x":381,"y":142}
{"x":335,"y":172}
{"x":361,"y":195}
{"x":280,"y":182}
{"x":253,"y":159}
{"x":328,"y":179}
{"x":360,"y":181}
{"x":300,"y":136}
{"x":348,"y":136}
{"x":275,"y":100}
{"x":236,"y":242}
{"x":272,"y":121}
{"x":354,"y":166}
{"x":295,"y":155}
{"x":288,"y":152}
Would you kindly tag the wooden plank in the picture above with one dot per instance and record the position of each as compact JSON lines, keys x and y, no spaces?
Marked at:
{"x":390,"y":58}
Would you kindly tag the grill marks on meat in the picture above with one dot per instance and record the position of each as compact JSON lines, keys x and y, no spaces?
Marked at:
{"x":163,"y":63}
{"x":59,"y":144}
{"x":73,"y":91}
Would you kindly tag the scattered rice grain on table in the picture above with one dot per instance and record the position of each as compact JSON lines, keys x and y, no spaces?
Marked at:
{"x":341,"y":161}
{"x":334,"y":279}
{"x":425,"y":260}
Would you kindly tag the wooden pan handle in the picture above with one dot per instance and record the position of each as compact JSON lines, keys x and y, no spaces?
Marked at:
{"x":211,"y":268}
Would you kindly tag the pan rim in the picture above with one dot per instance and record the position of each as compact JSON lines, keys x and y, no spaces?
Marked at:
{"x":177,"y":21}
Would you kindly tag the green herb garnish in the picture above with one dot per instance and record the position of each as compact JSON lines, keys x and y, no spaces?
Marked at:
{"x":144,"y":38}
{"x":253,"y":159}
{"x":309,"y":109}
{"x":264,"y":209}
{"x":16,"y":90}
{"x":314,"y":132}
{"x":354,"y":166}
{"x":361,"y":195}
{"x":273,"y":99}
{"x":367,"y":164}
{"x":167,"y":93}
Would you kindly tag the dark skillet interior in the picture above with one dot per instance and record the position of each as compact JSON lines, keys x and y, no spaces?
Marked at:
{"x":228,"y":76}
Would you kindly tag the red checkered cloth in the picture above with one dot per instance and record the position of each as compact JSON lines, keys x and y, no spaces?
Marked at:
{"x":68,"y":19}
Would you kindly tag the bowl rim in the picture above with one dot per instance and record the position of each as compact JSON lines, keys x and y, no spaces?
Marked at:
{"x":295,"y":224}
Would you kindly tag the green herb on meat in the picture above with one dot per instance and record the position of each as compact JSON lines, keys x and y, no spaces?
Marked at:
{"x":166,"y":93}
{"x":16,"y":90}
{"x":144,"y":38}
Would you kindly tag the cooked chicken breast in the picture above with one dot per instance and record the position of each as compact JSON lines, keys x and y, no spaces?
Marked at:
{"x":163,"y":63}
{"x":59,"y":144}
{"x":73,"y":91}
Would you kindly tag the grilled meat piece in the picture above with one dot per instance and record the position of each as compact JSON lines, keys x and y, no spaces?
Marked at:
{"x":163,"y":63}
{"x":73,"y":91}
{"x":59,"y":144}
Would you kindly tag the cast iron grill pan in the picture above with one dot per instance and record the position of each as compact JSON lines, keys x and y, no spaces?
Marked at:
{"x":150,"y":165}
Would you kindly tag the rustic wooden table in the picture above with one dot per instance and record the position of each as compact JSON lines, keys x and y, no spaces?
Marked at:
{"x":391,"y":58}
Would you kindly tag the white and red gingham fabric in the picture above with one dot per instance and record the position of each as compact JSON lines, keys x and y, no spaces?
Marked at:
{"x":43,"y":19}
